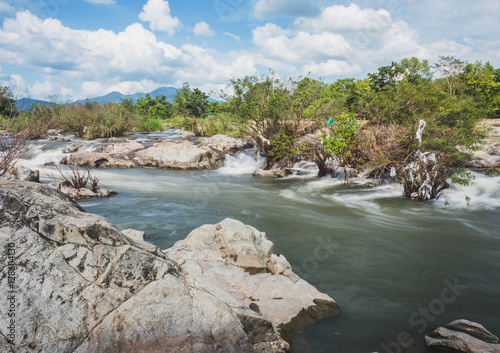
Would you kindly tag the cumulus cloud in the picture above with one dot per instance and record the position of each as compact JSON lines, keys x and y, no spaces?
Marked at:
{"x":133,"y":60}
{"x":157,"y":13}
{"x":340,"y":18}
{"x":331,"y":68}
{"x":203,"y":29}
{"x":284,"y":8}
{"x":299,"y":47}
{"x":4,"y":7}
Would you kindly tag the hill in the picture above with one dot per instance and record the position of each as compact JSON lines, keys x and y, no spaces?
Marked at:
{"x":113,"y":97}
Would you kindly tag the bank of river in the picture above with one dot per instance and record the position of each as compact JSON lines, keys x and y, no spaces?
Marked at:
{"x":384,"y":259}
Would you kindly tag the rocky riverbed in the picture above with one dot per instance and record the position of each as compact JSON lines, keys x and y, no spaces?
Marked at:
{"x":84,"y":286}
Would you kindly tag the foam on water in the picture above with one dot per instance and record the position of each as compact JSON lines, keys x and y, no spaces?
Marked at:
{"x":244,"y":162}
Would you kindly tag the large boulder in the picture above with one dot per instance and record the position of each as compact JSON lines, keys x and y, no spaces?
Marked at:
{"x":97,"y":160}
{"x":179,"y":155}
{"x":83,"y":286}
{"x":465,"y":337}
{"x":240,"y":260}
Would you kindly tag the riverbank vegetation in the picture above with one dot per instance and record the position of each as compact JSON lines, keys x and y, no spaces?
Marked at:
{"x":370,"y":123}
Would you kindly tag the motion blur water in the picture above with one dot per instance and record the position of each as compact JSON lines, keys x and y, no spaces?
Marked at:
{"x":383,"y":258}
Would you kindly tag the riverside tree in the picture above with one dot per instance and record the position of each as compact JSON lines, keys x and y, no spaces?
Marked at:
{"x":276,"y":112}
{"x":341,"y":139}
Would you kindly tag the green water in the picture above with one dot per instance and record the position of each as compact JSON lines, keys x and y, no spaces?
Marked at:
{"x":380,"y":256}
{"x":384,"y":259}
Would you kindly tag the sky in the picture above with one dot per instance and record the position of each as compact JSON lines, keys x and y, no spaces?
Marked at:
{"x":76,"y":49}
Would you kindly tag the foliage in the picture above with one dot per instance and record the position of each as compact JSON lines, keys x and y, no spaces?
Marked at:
{"x":76,"y":178}
{"x":190,"y":103}
{"x":341,"y":140}
{"x":276,"y":112}
{"x":7,"y":102}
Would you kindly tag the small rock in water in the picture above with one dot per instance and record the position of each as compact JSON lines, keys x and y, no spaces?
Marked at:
{"x":465,"y":337}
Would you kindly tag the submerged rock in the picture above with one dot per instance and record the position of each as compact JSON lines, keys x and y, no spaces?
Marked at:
{"x":274,"y":173}
{"x":179,"y":155}
{"x":86,"y":287}
{"x":463,"y":336}
{"x":74,"y":147}
{"x":240,"y":260}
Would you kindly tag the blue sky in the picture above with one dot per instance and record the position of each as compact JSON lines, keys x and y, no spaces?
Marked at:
{"x":77,"y":49}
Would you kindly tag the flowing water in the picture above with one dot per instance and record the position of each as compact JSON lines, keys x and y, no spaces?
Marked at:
{"x":392,"y":265}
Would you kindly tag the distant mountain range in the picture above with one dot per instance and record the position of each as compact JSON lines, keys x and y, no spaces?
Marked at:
{"x":113,"y":97}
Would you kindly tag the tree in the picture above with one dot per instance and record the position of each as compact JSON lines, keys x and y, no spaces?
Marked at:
{"x":276,"y":112}
{"x":341,"y":140}
{"x":7,"y":102}
{"x":450,"y":69}
{"x":190,"y":103}
{"x":410,"y":70}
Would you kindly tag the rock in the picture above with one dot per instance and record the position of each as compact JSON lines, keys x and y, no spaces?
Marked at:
{"x":138,"y":239}
{"x":123,"y":148}
{"x":274,"y":173}
{"x":226,"y":144}
{"x":27,"y":174}
{"x":178,"y":155}
{"x":96,"y":160}
{"x":74,"y":147}
{"x":85,"y":287}
{"x":82,"y":193}
{"x":239,"y":260}
{"x":493,"y":149}
{"x":463,"y":336}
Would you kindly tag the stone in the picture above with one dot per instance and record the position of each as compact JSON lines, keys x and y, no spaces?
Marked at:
{"x":86,"y":287}
{"x":274,"y":173}
{"x":178,"y":155}
{"x":82,"y":193}
{"x":463,"y":336}
{"x":96,"y":160}
{"x":74,"y":147}
{"x":123,"y":148}
{"x":240,"y":260}
{"x":27,"y":174}
{"x":226,"y":144}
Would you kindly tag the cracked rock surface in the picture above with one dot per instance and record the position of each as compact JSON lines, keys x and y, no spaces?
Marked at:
{"x":83,"y":286}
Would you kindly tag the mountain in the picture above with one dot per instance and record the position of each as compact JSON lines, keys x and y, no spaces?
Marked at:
{"x":26,"y":103}
{"x":113,"y":97}
{"x":116,"y":97}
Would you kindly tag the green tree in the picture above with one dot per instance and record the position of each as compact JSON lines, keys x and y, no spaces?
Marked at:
{"x":276,"y":112}
{"x":341,"y":140}
{"x":190,"y":103}
{"x":7,"y":102}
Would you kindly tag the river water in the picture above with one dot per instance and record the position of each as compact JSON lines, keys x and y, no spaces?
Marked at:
{"x":397,"y":268}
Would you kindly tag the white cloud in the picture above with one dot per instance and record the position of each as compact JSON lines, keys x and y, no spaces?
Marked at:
{"x":4,"y":7}
{"x":284,"y":8}
{"x":340,"y":18}
{"x":203,"y":29}
{"x":234,"y":36}
{"x":157,"y":13}
{"x":129,"y":61}
{"x":102,"y":2}
{"x":299,"y":47}
{"x":331,"y":68}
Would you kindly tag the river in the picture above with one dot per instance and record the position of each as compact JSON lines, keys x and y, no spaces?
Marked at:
{"x":393,"y":265}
